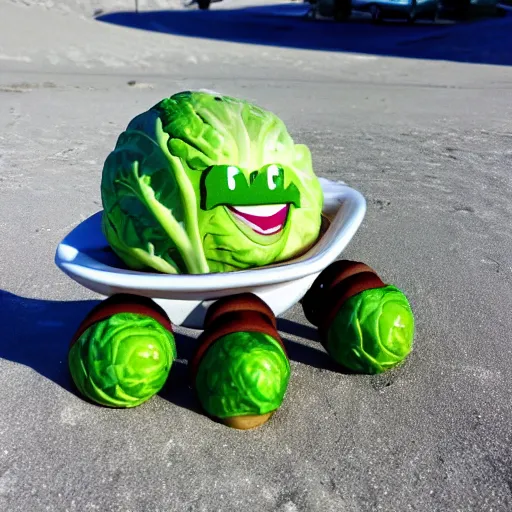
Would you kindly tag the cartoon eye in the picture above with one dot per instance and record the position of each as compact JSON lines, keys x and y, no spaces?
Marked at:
{"x":272,"y":173}
{"x":232,"y":172}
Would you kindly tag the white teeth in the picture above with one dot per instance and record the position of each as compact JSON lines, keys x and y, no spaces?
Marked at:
{"x":264,"y":210}
{"x":259,"y":230}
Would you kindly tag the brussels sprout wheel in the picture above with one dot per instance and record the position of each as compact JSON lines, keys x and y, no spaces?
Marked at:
{"x":123,"y":351}
{"x":240,"y":370}
{"x":373,"y":331}
{"x":364,"y":324}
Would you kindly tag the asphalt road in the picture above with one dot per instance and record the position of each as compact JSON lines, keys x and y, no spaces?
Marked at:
{"x":429,"y":145}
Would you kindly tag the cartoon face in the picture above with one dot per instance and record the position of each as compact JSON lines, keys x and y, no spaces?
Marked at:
{"x":203,"y":183}
{"x":260,"y":201}
{"x":247,"y":215}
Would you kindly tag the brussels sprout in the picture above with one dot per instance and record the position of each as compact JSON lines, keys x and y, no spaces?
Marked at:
{"x":244,"y":373}
{"x":122,"y":361}
{"x":205,"y":183}
{"x":373,"y":331}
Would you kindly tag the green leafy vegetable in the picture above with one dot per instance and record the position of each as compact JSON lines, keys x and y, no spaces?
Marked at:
{"x":243,"y":373}
{"x":373,"y":331}
{"x":122,"y":361}
{"x":188,"y":186}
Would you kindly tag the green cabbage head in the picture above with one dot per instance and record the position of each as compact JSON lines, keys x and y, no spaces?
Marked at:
{"x":243,"y":373}
{"x":207,"y":183}
{"x":122,"y":361}
{"x":373,"y":331}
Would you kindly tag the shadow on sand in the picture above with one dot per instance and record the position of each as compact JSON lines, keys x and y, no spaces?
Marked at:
{"x":483,"y":42}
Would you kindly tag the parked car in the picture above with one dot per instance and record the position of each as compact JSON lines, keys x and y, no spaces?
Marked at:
{"x":411,"y":10}
{"x":464,"y":9}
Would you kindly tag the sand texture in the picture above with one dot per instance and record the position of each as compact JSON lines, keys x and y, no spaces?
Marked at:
{"x":421,"y":126}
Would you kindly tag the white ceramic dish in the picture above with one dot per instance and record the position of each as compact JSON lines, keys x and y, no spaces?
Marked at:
{"x":86,"y":257}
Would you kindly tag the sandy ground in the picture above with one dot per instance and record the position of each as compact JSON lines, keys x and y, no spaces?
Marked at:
{"x":428,"y":142}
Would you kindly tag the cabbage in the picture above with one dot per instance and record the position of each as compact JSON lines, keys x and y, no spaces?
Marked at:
{"x":206,"y":183}
{"x":122,"y":361}
{"x":373,"y":331}
{"x":243,"y":373}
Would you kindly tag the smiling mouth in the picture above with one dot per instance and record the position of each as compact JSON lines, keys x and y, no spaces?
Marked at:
{"x":265,"y":219}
